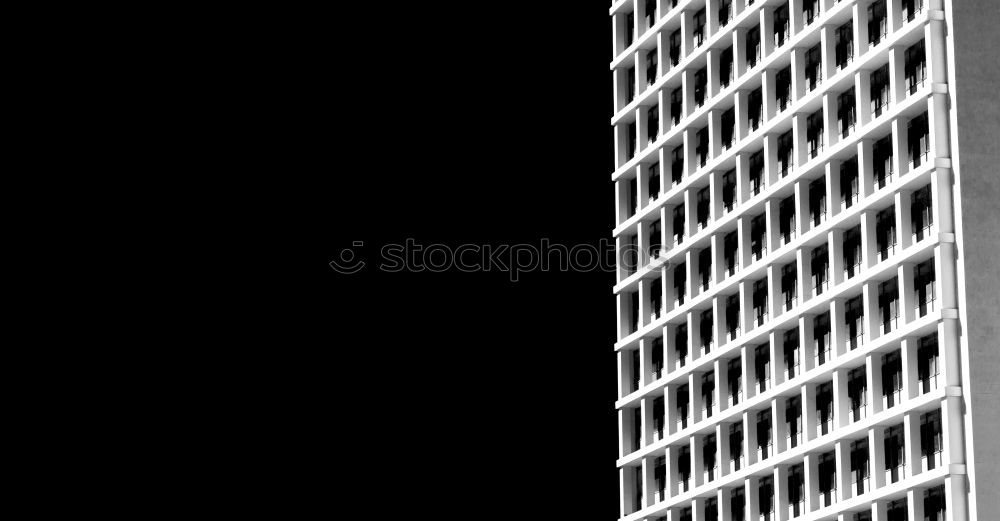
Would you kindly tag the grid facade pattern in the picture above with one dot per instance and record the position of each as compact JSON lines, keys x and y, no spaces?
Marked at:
{"x":787,"y":305}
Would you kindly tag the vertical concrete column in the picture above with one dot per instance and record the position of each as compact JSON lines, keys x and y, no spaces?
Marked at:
{"x":770,"y":160}
{"x":909,"y":359}
{"x":768,"y":93}
{"x":750,"y":438}
{"x":662,"y":59}
{"x":798,"y":73}
{"x":746,"y":303}
{"x":803,"y":273}
{"x":642,"y":241}
{"x":771,"y":222}
{"x":746,"y":363}
{"x":714,"y":133}
{"x":640,"y":78}
{"x":806,"y":341}
{"x":690,"y":215}
{"x":842,"y":455}
{"x":672,"y":471}
{"x":623,"y":493}
{"x":799,"y":149}
{"x":838,"y":330}
{"x":809,"y":411}
{"x":780,"y":493}
{"x":778,"y":427}
{"x":670,"y":407}
{"x":743,"y":237}
{"x":766,"y":31}
{"x":911,"y":443}
{"x":827,"y":52}
{"x":944,"y":267}
{"x":712,"y":74}
{"x":802,"y":221}
{"x":937,"y":123}
{"x":869,"y":253}
{"x":694,"y":394}
{"x":873,"y":372}
{"x":900,"y":155}
{"x":955,"y":497}
{"x":841,"y":401}
{"x":832,"y":188}
{"x":934,"y":47}
{"x":811,"y":471}
{"x":751,"y":495}
{"x":904,"y":219}
{"x":876,"y":456}
{"x":915,"y":504}
{"x":835,"y":247}
{"x":941,"y":195}
{"x":691,"y":266}
{"x":948,"y":355}
{"x":743,"y":182}
{"x":724,"y":496}
{"x":952,"y":431}
{"x":866,"y":172}
{"x":646,"y":375}
{"x":830,"y":135}
{"x":907,"y":296}
{"x":721,"y":385}
{"x":777,"y":374}
{"x":739,"y":48}
{"x":715,"y":196}
{"x":862,"y":95}
{"x":718,"y":325}
{"x":718,"y":265}
{"x":711,"y":21}
{"x":697,"y":442}
{"x":722,"y":438}
{"x":687,"y":33}
{"x":869,"y":299}
{"x":687,"y":94}
{"x":894,"y":11}
{"x":774,"y":305}
{"x":795,"y":18}
{"x":860,"y":28}
{"x":690,"y":166}
{"x":647,"y":482}
{"x":740,"y":114}
{"x":897,"y":74}
{"x":880,"y":510}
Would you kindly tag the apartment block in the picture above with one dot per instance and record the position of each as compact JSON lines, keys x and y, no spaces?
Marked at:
{"x":792,"y":288}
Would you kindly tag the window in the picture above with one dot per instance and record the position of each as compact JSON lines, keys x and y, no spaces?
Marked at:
{"x":785,"y":150}
{"x":796,"y":491}
{"x":701,"y":149}
{"x":725,"y":12}
{"x":827,"y":479}
{"x":821,"y":338}
{"x":631,"y":140}
{"x":888,"y":305}
{"x":657,"y":358}
{"x":660,"y":477}
{"x":844,"y":44}
{"x":877,"y":22}
{"x":859,"y":467}
{"x":911,"y":8}
{"x":923,"y":276}
{"x":820,"y":263}
{"x":650,"y":13}
{"x":764,"y":442}
{"x":824,"y":407}
{"x":700,"y":84}
{"x":659,"y":416}
{"x":793,"y":421}
{"x":629,"y":29}
{"x":733,"y":316}
{"x":755,"y":109}
{"x":854,"y":315}
{"x":681,"y":345}
{"x":857,"y":393}
{"x":850,"y":189}
{"x":852,"y":252}
{"x":885,"y":232}
{"x":711,"y":507}
{"x":762,"y":366}
{"x":918,"y":140}
{"x":699,"y":27}
{"x":635,"y":311}
{"x":786,"y":219}
{"x":765,"y":498}
{"x":653,"y":123}
{"x":730,"y":248}
{"x":783,"y":87}
{"x":704,"y":198}
{"x":782,"y":28}
{"x":931,"y":440}
{"x":684,"y":469}
{"x":675,"y":47}
{"x":915,"y":67}
{"x":790,"y":345}
{"x":760,"y":302}
{"x":882,"y":161}
{"x":736,"y":445}
{"x":896,"y":511}
{"x":708,"y":394}
{"x":734,"y":379}
{"x":729,"y":190}
{"x":636,"y":429}
{"x":892,"y":380}
{"x":656,"y":287}
{"x":814,"y":71}
{"x":705,"y":329}
{"x":682,"y":406}
{"x":677,"y":165}
{"x":737,"y":504}
{"x":758,"y":236}
{"x":631,"y":84}
{"x":880,"y":89}
{"x":927,"y":363}
{"x":654,"y":181}
{"x":934,"y":504}
{"x":676,"y":105}
{"x":817,"y":201}
{"x":726,"y":71}
{"x":680,"y":284}
{"x":814,"y":133}
{"x":728,"y":130}
{"x":846,"y":113}
{"x":789,"y":285}
{"x":895,"y":456}
{"x":636,"y":371}
{"x":652,"y":62}
{"x":753,"y":47}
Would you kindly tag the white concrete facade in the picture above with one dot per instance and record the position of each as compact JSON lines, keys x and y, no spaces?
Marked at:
{"x":787,"y":292}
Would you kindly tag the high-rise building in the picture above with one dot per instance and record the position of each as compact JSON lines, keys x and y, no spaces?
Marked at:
{"x":806,"y":323}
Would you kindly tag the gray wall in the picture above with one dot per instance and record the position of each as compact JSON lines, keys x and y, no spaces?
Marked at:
{"x":976,"y":45}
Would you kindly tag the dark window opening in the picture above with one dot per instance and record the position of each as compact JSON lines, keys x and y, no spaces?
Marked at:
{"x":924,"y":281}
{"x":817,"y":201}
{"x":852,"y":252}
{"x":915,"y":67}
{"x":850,"y":188}
{"x":880,"y":90}
{"x":877,"y":22}
{"x":918,"y":142}
{"x":789,"y":285}
{"x":854,"y":315}
{"x":814,"y":133}
{"x":847,"y":115}
{"x":820,"y":264}
{"x":888,"y":305}
{"x":844,"y":44}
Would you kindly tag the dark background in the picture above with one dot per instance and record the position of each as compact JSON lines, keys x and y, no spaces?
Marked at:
{"x":453,"y":393}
